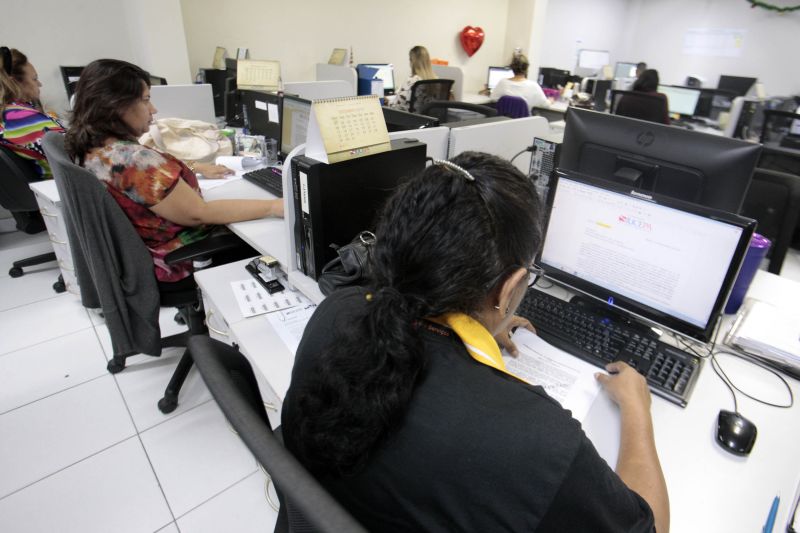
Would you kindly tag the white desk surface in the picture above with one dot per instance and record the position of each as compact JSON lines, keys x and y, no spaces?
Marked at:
{"x":475,"y":98}
{"x":710,"y":490}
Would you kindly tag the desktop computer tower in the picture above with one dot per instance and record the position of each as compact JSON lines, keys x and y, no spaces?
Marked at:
{"x":335,"y":202}
{"x":260,"y":113}
{"x":216,"y":77}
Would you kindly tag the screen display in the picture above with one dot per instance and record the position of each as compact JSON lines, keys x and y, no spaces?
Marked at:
{"x":682,"y":100}
{"x":496,"y":74}
{"x":385,"y":73}
{"x":625,"y":70}
{"x":592,"y":59}
{"x":794,"y":129}
{"x":657,"y":256}
{"x":294,"y":123}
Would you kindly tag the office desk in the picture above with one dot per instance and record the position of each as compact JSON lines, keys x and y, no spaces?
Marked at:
{"x":475,"y":98}
{"x":710,"y":490}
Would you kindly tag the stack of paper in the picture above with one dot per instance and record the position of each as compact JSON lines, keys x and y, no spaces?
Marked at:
{"x":768,"y":331}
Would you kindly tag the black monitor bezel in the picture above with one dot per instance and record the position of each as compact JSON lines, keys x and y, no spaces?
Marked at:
{"x":628,"y":305}
{"x":283,"y":99}
{"x":691,"y":152}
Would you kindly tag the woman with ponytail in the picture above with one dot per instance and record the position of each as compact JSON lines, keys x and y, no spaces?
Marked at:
{"x":401,"y":405}
{"x":23,"y":122}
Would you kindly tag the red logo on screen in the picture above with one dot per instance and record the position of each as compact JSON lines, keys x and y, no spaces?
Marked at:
{"x":636,"y":223}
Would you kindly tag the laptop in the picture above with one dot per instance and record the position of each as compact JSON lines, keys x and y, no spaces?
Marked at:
{"x":495,"y":74}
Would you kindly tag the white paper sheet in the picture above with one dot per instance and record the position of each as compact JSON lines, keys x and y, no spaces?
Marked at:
{"x":253,"y":298}
{"x":566,"y":378}
{"x":237,"y":163}
{"x":207,"y":184}
{"x":290,"y":324}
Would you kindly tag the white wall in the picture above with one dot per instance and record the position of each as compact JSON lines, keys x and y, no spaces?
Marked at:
{"x":574,"y":24}
{"x":148,"y":33}
{"x":303,"y":34}
{"x":769,"y":46}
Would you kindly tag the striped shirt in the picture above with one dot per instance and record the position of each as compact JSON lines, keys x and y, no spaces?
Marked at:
{"x":22,"y":128}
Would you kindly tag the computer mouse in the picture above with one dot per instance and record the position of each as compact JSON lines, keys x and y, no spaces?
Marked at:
{"x":735,"y":433}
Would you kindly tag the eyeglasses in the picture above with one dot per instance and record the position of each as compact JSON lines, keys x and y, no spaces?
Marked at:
{"x":533,"y":274}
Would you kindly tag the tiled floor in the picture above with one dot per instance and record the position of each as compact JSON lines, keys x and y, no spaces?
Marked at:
{"x":84,"y":451}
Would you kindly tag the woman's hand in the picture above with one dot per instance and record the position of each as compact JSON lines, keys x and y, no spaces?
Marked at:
{"x":627,"y":387}
{"x":212,"y":172}
{"x":504,"y":337}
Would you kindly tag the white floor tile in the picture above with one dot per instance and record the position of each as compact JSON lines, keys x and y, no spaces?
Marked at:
{"x":143,"y":382}
{"x":40,"y":321}
{"x":18,"y":245}
{"x":172,"y":528}
{"x":32,"y":287}
{"x":49,"y":367}
{"x":55,"y":432}
{"x":113,"y":491}
{"x":242,"y":508}
{"x":196,"y":456}
{"x":166,"y":321}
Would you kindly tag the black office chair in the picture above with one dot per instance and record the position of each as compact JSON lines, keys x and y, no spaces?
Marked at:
{"x":439,"y":109}
{"x":70,"y":75}
{"x":425,"y":91}
{"x":305,"y":505}
{"x":774,"y":201}
{"x":115,"y":270}
{"x":16,"y":196}
{"x":644,"y":106}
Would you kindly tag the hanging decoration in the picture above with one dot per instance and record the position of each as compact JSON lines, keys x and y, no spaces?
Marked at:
{"x":471,"y":39}
{"x":773,"y":7}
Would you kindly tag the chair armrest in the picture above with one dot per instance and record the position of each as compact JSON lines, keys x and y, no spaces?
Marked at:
{"x":205,"y":248}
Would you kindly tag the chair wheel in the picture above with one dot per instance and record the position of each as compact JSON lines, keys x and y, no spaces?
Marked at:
{"x":179,"y":319}
{"x":15,"y":272}
{"x":59,"y":286}
{"x":167,"y":404}
{"x":115,"y":367}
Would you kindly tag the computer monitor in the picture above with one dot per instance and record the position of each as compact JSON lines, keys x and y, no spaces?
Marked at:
{"x":552,"y":78}
{"x":738,"y":85}
{"x":591,"y":61}
{"x":624,"y":69}
{"x":669,"y":262}
{"x":294,"y":123}
{"x":496,"y":74}
{"x":682,"y":100}
{"x":710,"y":170}
{"x":385,"y":73}
{"x":397,"y":120}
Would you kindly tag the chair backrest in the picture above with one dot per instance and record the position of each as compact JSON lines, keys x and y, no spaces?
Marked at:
{"x":305,"y":505}
{"x":113,"y":267}
{"x":644,"y":106}
{"x":773,"y":199}
{"x":425,"y":91}
{"x":513,"y":106}
{"x":16,"y":174}
{"x":70,"y":75}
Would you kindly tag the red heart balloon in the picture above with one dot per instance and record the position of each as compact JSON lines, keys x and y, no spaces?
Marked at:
{"x":471,"y":39}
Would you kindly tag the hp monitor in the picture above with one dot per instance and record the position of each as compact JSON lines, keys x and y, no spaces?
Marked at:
{"x":705,"y":169}
{"x":669,"y":262}
{"x":496,"y":74}
{"x":682,"y":100}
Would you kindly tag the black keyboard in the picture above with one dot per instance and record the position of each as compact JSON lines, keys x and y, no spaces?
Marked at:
{"x":269,"y":178}
{"x":582,"y":331}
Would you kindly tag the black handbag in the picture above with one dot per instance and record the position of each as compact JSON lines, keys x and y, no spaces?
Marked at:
{"x":351,"y":267}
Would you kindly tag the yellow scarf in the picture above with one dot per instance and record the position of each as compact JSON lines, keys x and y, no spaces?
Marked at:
{"x":476,"y":338}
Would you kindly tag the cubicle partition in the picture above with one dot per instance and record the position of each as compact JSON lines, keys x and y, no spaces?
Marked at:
{"x":504,"y":139}
{"x":447,"y":72}
{"x":326,"y":72}
{"x":193,"y":102}
{"x":316,"y":90}
{"x":436,"y":139}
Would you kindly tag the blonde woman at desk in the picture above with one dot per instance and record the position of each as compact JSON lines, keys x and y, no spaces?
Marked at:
{"x":421,"y":69}
{"x":519,"y":85}
{"x":401,"y":405}
{"x":158,"y":193}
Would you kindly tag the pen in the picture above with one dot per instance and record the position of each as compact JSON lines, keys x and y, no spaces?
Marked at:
{"x":771,"y":517}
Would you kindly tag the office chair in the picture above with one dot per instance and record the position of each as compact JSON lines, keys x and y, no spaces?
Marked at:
{"x":652,"y":107}
{"x":115,"y":270}
{"x":774,"y":201}
{"x":439,"y":109}
{"x":70,"y":75}
{"x":305,"y":505}
{"x":425,"y":91}
{"x":17,"y":197}
{"x":513,"y":107}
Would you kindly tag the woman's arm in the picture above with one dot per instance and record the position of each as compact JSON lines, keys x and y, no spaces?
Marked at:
{"x":185,"y":207}
{"x":638,"y":465}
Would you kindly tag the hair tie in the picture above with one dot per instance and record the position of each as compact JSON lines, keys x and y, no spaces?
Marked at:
{"x":7,"y":59}
{"x":453,"y":166}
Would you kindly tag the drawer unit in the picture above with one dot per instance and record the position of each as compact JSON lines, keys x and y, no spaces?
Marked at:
{"x":53,"y":214}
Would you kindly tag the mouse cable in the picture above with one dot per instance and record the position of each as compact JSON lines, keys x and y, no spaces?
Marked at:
{"x":715,"y":364}
{"x":530,"y":148}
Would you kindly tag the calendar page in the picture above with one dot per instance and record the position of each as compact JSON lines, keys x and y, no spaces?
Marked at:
{"x":346,"y":128}
{"x":257,"y":74}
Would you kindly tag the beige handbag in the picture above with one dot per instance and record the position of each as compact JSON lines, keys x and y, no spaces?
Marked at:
{"x":188,"y":140}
